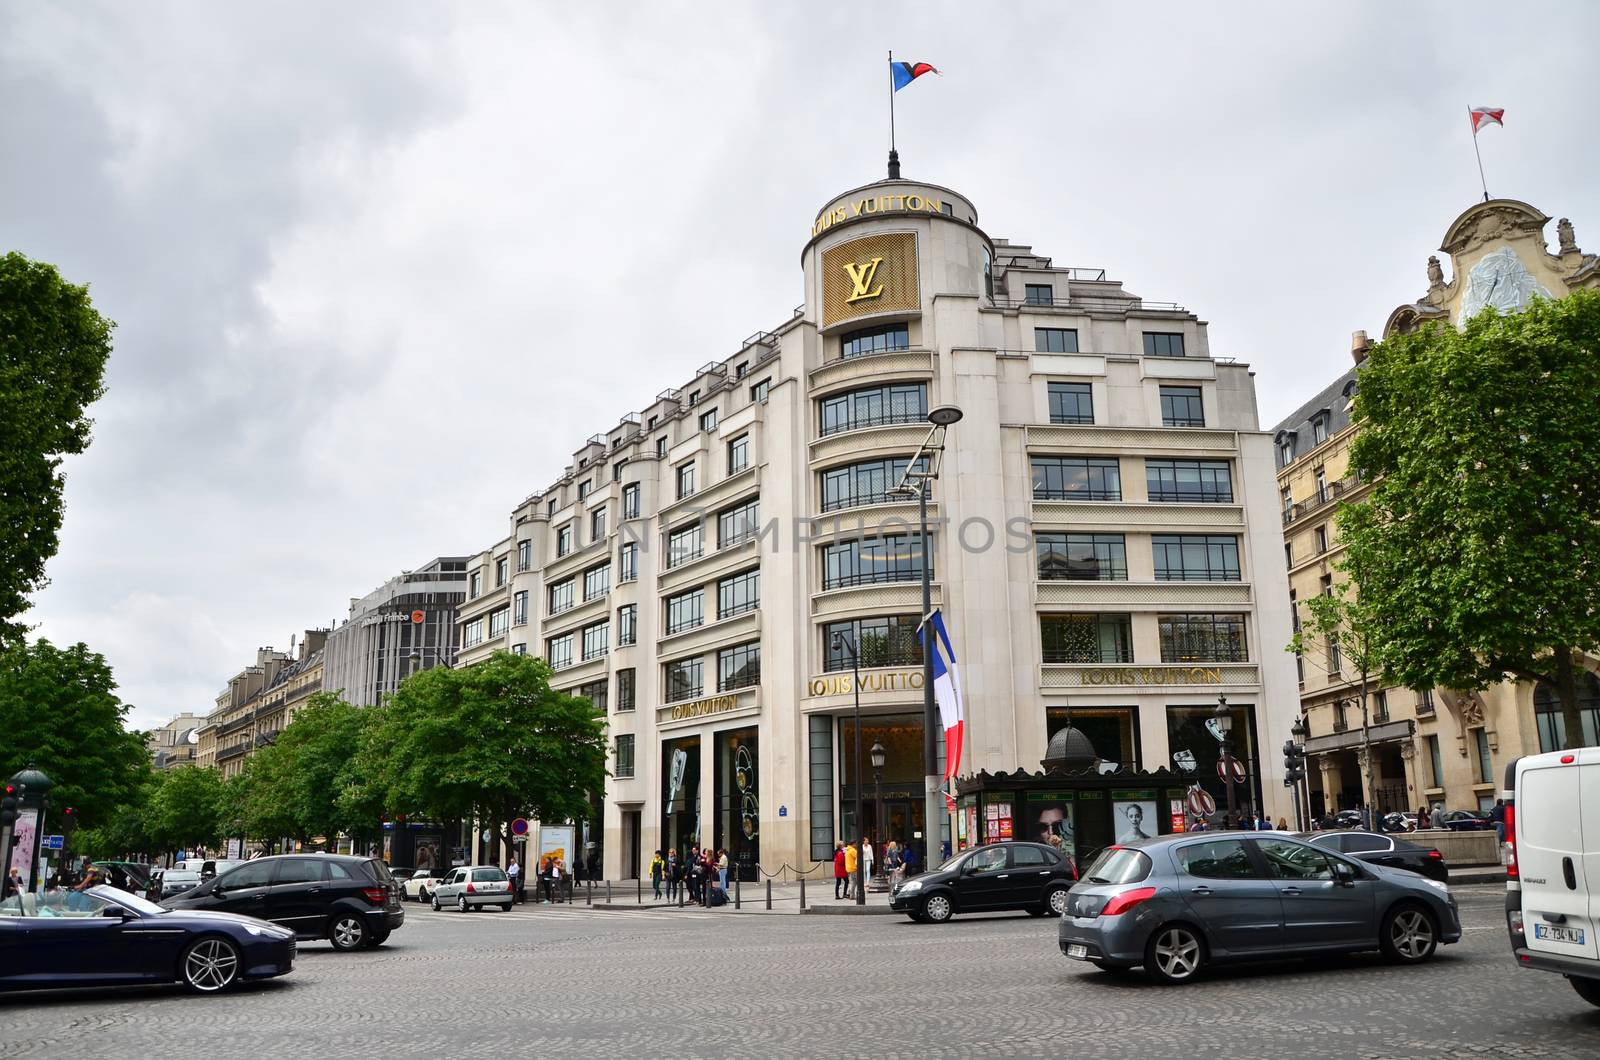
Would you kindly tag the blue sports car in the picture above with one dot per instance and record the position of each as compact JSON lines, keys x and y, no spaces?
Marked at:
{"x":107,"y":937}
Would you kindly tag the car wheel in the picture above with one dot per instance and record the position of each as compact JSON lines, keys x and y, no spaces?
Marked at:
{"x":1056,"y":901}
{"x":461,"y":903}
{"x":436,"y":906}
{"x":210,"y":965}
{"x":506,"y":908}
{"x":1588,"y":989}
{"x":937,"y":908}
{"x":347,"y":932}
{"x":1408,"y":935}
{"x":1175,"y":953}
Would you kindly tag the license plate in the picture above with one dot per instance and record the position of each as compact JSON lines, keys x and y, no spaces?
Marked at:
{"x":1077,"y":951}
{"x":1556,"y":933}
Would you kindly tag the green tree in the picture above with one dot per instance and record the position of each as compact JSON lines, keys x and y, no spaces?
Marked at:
{"x":125,"y":831}
{"x":1478,"y":545}
{"x":262,"y":796}
{"x":318,"y":750}
{"x":59,"y":710}
{"x":187,"y":808}
{"x":1336,"y":636}
{"x":53,"y":351}
{"x":492,"y":740}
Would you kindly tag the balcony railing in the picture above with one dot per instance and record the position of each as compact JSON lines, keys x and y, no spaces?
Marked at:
{"x":1328,"y":494}
{"x":1092,"y":305}
{"x":876,"y":419}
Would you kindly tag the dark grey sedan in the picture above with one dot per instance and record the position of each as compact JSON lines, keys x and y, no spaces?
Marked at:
{"x":1176,"y":904}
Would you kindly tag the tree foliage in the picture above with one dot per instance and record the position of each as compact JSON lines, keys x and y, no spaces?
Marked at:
{"x":492,"y":740}
{"x":188,"y":808}
{"x":1478,"y":544}
{"x":53,"y":351}
{"x":59,"y":710}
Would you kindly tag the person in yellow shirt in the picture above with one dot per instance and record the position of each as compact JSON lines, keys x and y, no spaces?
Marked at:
{"x":850,"y":857}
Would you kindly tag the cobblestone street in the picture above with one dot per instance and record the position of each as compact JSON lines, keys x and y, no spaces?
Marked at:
{"x":577,"y":982}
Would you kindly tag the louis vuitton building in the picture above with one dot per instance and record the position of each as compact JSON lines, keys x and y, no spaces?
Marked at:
{"x":1106,"y":548}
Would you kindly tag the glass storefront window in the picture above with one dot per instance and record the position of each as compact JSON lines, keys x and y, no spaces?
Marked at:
{"x":1113,"y":731}
{"x":738,"y":826}
{"x":1196,"y":750}
{"x":680,"y":795}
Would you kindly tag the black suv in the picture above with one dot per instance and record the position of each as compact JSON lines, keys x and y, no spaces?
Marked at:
{"x":351,"y":902}
{"x":1028,"y":876}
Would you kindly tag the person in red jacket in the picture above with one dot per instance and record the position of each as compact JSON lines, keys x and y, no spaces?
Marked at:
{"x":841,"y":878}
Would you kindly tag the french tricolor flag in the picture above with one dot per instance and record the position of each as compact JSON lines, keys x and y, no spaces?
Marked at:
{"x":947,"y":694}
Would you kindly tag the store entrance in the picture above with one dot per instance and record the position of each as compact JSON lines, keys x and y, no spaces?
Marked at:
{"x":903,"y":813}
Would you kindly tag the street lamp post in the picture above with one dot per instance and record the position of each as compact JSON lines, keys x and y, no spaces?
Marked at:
{"x":840,"y":642}
{"x":878,"y":756}
{"x":1224,"y":720}
{"x":1302,"y":787}
{"x":941,"y":418}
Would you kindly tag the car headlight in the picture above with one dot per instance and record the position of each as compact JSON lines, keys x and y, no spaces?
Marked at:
{"x":911,"y":887}
{"x":267,"y":931}
{"x":1442,"y":888}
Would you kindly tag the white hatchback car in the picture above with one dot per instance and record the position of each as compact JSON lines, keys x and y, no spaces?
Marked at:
{"x":473,"y":885}
{"x":419,"y":886}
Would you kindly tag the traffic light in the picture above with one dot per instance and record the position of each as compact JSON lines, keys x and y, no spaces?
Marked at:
{"x":1294,"y":762}
{"x":8,"y":807}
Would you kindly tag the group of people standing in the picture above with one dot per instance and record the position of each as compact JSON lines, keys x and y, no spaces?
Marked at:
{"x":898,"y":861}
{"x":701,"y":876}
{"x":552,"y":879}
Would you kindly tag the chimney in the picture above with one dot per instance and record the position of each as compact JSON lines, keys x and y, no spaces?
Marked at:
{"x":1359,"y":345}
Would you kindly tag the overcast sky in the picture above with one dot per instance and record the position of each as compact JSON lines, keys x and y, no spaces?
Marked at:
{"x":379,"y":268}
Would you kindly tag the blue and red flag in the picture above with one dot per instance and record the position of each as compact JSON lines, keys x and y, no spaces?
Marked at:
{"x":905,"y":73}
{"x":947,"y":694}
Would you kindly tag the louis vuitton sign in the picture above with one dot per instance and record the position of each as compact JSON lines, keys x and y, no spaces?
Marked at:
{"x":874,"y":274}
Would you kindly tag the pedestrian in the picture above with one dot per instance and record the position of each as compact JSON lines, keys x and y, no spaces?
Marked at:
{"x":558,"y":878}
{"x":13,"y":883}
{"x":840,"y":880}
{"x":514,"y":874}
{"x":908,"y":860}
{"x":1497,"y":817}
{"x":852,"y":861}
{"x":674,"y":874}
{"x":722,"y":867}
{"x":658,"y":868}
{"x":1283,"y":824}
{"x":866,"y":858}
{"x":544,"y":880}
{"x":697,"y":876}
{"x":1423,"y":820}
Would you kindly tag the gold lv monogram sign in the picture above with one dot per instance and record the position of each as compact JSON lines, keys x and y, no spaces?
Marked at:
{"x":862,"y":278}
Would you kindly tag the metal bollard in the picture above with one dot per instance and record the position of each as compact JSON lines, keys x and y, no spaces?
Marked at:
{"x":608,"y":892}
{"x":588,"y":893}
{"x":638,"y":896}
{"x":736,"y":892}
{"x":681,"y":891}
{"x":769,"y":896}
{"x":802,"y":892}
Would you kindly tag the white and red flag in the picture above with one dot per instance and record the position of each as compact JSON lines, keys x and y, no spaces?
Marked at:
{"x":947,"y":694}
{"x":1482,"y":116}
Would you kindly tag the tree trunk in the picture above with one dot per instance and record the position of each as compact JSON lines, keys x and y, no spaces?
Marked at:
{"x":1567,"y":689}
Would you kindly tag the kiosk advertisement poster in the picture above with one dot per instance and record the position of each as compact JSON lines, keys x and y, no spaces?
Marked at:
{"x":1133,"y":815}
{"x":1050,"y":814}
{"x":997,"y":822}
{"x":22,"y":834}
{"x":555,"y":841}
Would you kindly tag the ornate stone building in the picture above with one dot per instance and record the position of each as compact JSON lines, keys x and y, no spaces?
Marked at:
{"x":1430,"y":746}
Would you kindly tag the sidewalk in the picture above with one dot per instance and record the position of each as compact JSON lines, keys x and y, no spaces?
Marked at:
{"x":752,"y":898}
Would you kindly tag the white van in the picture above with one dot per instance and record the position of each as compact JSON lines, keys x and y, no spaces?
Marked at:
{"x":1553,"y":840}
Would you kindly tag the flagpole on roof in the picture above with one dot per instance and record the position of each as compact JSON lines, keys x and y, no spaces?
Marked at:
{"x":1471,"y":118}
{"x":894,"y":156}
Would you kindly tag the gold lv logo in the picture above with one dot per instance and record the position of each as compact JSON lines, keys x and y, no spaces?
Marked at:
{"x":861,"y":280}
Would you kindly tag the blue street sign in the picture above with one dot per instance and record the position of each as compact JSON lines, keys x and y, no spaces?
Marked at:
{"x":783,"y":811}
{"x":54,"y":842}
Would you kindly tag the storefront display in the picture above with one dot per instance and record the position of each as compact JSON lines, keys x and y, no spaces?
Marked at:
{"x":1133,"y":815}
{"x":1050,"y":816}
{"x":1196,"y":747}
{"x":738,"y":826}
{"x":680,"y":797}
{"x":1113,"y":732}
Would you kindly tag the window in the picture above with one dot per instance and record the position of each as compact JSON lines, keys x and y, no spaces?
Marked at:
{"x":685,"y":611}
{"x":738,"y":454}
{"x":1294,"y":861}
{"x":256,"y":875}
{"x":736,"y":525}
{"x":1380,"y":707}
{"x":685,"y":480}
{"x":739,"y":372}
{"x":1086,"y":638}
{"x":1076,"y":478}
{"x":1189,"y":481}
{"x":1436,"y":760}
{"x":550,"y":507}
{"x":1196,"y":557}
{"x":595,"y":693}
{"x":628,"y":562}
{"x":872,"y":561}
{"x":502,"y":571}
{"x":684,"y":680}
{"x":1181,"y":407}
{"x":758,"y":393}
{"x":616,"y":469}
{"x":596,"y":640}
{"x":888,"y":641}
{"x":708,"y":420}
{"x":1038,"y":294}
{"x":1425,"y":701}
{"x":1163,"y":344}
{"x":584,"y":487}
{"x":474,"y":585}
{"x":739,"y":667}
{"x":1335,"y":656}
{"x":519,"y":607}
{"x":499,"y":622}
{"x":472,"y":634}
{"x":650,"y":424}
{"x":1055,"y":340}
{"x":875,"y":406}
{"x":1322,"y":485}
{"x":1202,"y":638}
{"x":1327,"y":585}
{"x":1319,"y":429}
{"x":625,"y":685}
{"x":627,"y":625}
{"x":869,"y":482}
{"x":694,"y":397}
{"x":1480,"y":739}
{"x":820,"y":785}
{"x":596,"y":581}
{"x":1220,"y":859}
{"x":1288,"y":553}
{"x":738,"y":594}
{"x":562,"y":597}
{"x":874,"y":340}
{"x":558,"y":651}
{"x":597,"y":524}
{"x":630,"y":501}
{"x":1286,"y":452}
{"x":661,"y":446}
{"x":524,"y":555}
{"x":683,"y":545}
{"x":1071,"y":403}
{"x":1320,"y":536}
{"x":1081,"y":557}
{"x":519,"y":649}
{"x":622,"y":757}
{"x":564,"y":540}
